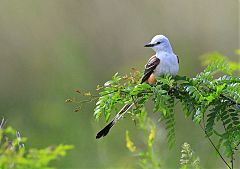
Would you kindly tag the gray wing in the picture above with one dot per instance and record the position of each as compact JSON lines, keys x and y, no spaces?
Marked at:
{"x":150,"y":67}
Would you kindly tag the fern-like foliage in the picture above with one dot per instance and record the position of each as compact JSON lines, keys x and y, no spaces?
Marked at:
{"x":211,"y":99}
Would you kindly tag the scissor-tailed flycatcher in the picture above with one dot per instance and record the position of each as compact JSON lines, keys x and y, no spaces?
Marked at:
{"x":163,"y":62}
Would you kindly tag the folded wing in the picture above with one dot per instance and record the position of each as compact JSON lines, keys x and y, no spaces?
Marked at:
{"x":151,"y":65}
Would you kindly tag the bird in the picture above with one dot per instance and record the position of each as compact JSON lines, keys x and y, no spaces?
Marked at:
{"x":163,"y":62}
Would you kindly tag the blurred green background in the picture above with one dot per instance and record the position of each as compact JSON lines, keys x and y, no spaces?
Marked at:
{"x":49,"y":48}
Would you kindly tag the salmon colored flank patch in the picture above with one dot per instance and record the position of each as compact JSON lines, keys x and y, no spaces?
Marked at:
{"x":151,"y":79}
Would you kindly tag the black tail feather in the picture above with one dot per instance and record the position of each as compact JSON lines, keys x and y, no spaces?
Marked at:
{"x":105,"y":130}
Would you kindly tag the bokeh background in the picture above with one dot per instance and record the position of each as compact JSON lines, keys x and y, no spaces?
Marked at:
{"x":49,"y":48}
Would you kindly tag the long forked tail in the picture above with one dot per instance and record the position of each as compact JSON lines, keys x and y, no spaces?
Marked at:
{"x":106,"y":129}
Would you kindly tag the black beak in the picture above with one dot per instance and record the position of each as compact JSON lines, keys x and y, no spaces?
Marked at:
{"x":149,"y":45}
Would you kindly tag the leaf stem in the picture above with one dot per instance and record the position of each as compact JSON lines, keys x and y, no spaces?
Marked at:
{"x":215,"y":148}
{"x":210,"y":140}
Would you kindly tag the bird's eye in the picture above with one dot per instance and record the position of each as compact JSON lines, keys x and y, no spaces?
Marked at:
{"x":158,"y":43}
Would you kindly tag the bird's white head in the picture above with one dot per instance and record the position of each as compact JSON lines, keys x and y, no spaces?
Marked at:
{"x":160,"y":43}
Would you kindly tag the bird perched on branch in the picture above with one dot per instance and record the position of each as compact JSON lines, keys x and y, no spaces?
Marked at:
{"x":163,"y":62}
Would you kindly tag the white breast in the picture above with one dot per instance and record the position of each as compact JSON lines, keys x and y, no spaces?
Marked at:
{"x":168,"y":64}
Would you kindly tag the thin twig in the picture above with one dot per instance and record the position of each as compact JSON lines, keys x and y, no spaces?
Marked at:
{"x":204,"y":130}
{"x":215,"y":148}
{"x":87,"y":101}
